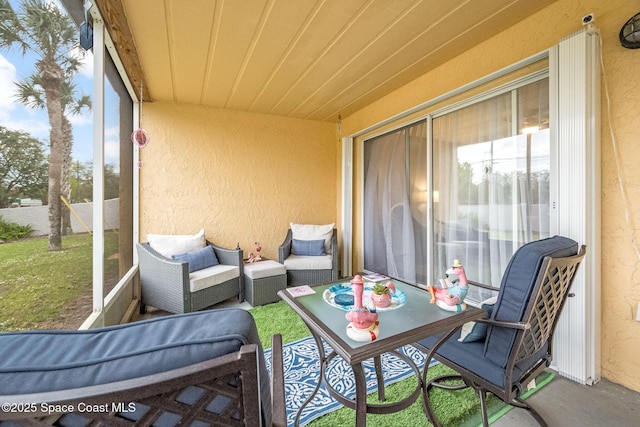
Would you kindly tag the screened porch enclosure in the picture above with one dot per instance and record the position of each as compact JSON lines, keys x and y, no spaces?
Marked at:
{"x":484,"y":194}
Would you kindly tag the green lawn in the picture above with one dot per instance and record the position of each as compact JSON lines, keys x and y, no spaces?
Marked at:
{"x":36,"y":285}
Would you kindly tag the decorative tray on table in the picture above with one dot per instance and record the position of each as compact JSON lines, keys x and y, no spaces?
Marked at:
{"x":341,"y":296}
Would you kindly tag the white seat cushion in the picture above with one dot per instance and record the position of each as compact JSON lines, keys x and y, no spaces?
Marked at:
{"x":298,"y":262}
{"x":211,"y":276}
{"x":262,"y":269}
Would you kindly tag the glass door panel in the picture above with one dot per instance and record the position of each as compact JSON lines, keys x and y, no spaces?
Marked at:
{"x":395,"y":203}
{"x":491,"y":174}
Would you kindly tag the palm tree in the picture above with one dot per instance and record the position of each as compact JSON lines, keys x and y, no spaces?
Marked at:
{"x":31,"y":94}
{"x":50,"y":34}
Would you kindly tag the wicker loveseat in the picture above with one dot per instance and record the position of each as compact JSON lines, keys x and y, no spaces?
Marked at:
{"x":204,"y":368}
{"x":176,"y":285}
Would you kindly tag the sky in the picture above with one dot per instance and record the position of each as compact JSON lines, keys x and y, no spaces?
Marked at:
{"x":15,"y":116}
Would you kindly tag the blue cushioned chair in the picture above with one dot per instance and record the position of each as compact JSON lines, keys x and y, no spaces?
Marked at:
{"x":518,"y":342}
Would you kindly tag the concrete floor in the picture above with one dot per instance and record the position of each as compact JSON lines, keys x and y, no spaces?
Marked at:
{"x":562,"y":402}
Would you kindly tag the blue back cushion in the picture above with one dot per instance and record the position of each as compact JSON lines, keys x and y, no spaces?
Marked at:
{"x":308,"y":247}
{"x":198,"y":259}
{"x":515,"y":290}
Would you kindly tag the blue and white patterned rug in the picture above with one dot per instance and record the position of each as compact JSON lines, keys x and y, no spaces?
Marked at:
{"x":302,"y":369}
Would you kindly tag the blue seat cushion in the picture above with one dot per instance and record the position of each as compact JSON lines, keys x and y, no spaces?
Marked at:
{"x":44,"y":361}
{"x":515,"y":290}
{"x":470,"y":356}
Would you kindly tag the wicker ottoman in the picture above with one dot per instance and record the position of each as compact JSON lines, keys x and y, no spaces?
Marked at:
{"x":263,"y":280}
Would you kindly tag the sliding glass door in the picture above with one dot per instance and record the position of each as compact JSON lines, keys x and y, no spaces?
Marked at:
{"x":488,"y":194}
{"x":491,"y":170}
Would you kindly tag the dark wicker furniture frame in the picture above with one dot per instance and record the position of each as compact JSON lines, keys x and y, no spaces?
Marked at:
{"x":165,"y":282}
{"x":264,"y":290}
{"x":225,"y":389}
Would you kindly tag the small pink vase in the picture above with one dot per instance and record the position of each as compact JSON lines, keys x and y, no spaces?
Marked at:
{"x":381,"y":301}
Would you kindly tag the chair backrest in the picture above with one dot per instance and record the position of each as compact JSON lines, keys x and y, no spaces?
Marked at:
{"x":549,"y":296}
{"x":533,"y":289}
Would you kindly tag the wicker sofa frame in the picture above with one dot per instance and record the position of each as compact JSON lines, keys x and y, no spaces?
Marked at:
{"x":165,"y":282}
{"x":226,"y":393}
{"x":307,"y":277}
{"x":524,"y":345}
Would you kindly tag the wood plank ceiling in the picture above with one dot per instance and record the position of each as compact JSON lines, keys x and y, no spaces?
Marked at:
{"x":309,"y":59}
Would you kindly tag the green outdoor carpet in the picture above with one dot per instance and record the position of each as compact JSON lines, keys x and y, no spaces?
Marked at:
{"x":459,"y":408}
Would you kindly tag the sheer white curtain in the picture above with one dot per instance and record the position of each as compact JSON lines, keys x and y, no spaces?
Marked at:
{"x":490,"y":189}
{"x":492,"y":182}
{"x":468,"y":212}
{"x":394,"y":205}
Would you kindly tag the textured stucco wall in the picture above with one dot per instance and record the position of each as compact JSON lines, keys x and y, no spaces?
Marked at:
{"x":241,"y":176}
{"x":620,"y":262}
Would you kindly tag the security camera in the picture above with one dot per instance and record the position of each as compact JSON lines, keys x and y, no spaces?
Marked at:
{"x":588,"y":19}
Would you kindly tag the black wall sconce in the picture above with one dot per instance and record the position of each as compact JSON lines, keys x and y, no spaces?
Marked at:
{"x":630,"y":33}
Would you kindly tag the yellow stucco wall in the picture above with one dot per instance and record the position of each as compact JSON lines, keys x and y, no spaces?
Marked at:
{"x":620,"y":262}
{"x":243,"y":177}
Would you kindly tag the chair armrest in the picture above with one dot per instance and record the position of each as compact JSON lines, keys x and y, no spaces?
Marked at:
{"x":227,"y":256}
{"x":502,"y":324}
{"x":284,"y":250}
{"x":231,"y":257}
{"x":149,"y":257}
{"x":482,"y":285}
{"x":160,"y":272}
{"x":279,"y":417}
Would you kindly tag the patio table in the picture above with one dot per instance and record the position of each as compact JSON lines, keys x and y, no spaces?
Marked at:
{"x":411,"y":321}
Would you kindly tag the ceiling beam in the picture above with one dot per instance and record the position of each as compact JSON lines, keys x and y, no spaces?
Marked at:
{"x":115,"y":21}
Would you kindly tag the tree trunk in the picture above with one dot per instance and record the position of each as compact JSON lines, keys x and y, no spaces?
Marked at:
{"x":52,"y":76}
{"x":65,"y":183}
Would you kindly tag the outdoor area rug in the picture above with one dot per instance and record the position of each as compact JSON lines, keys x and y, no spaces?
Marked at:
{"x":302,"y":371}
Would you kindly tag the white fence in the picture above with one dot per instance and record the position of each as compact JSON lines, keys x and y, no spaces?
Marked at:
{"x":37,"y":217}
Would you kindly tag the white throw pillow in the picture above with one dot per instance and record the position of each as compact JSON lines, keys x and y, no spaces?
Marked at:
{"x":313,"y":232}
{"x":169,"y":245}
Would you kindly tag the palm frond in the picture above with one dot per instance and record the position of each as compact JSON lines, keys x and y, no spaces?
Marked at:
{"x":11,"y":29}
{"x":50,"y":31}
{"x":30,"y":92}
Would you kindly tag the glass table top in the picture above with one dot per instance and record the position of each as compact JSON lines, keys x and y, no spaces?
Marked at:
{"x":414,"y":319}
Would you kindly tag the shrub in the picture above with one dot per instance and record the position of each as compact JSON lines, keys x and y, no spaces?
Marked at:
{"x":12,"y":231}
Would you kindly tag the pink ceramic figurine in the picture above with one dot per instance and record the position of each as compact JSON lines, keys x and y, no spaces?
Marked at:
{"x":455,"y":294}
{"x":360,"y":317}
